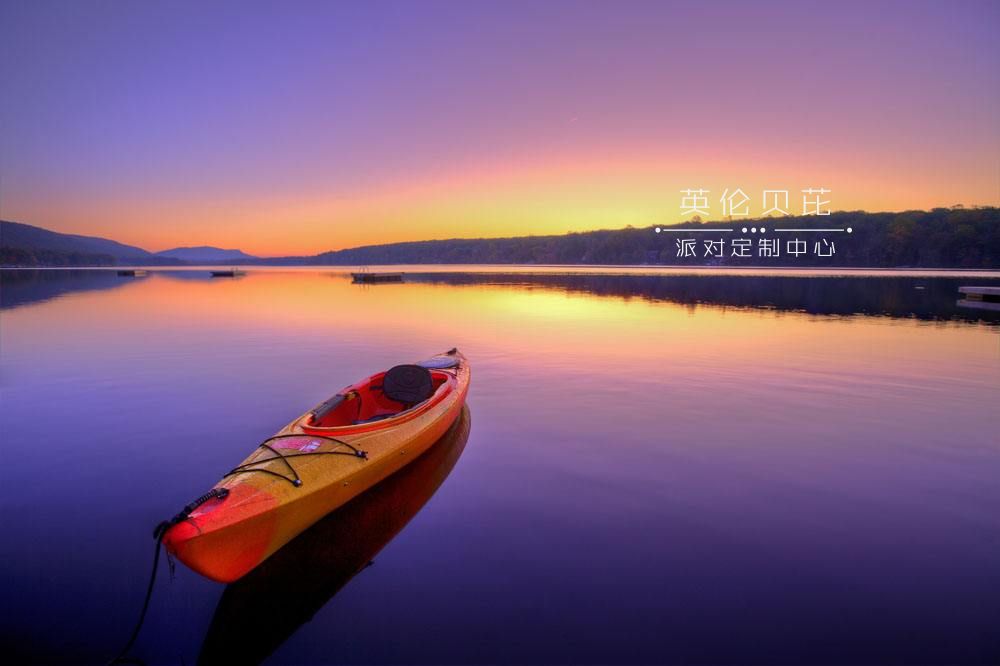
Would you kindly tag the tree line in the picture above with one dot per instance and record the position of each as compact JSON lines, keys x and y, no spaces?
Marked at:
{"x":938,"y":238}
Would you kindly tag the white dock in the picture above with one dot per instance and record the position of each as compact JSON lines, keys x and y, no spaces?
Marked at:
{"x":982,"y":298}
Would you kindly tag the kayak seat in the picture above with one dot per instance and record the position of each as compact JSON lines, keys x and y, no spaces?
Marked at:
{"x":408,"y":384}
{"x":401,"y":389}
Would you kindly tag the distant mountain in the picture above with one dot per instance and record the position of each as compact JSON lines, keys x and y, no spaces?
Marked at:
{"x":205,"y":255}
{"x":938,"y":238}
{"x":26,"y":245}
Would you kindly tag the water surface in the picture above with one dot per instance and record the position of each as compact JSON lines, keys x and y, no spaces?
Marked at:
{"x":679,"y":466}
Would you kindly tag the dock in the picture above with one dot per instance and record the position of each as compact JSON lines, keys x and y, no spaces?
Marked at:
{"x":376,"y":277}
{"x":132,"y":272}
{"x":983,"y":298}
{"x":230,"y":272}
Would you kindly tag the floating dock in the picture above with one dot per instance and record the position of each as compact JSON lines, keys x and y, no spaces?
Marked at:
{"x":230,"y":272}
{"x":377,"y":277}
{"x":132,"y":272}
{"x":983,"y":298}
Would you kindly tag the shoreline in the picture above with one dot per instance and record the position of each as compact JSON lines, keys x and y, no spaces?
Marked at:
{"x":638,"y":270}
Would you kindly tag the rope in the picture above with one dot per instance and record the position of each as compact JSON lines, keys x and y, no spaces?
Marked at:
{"x":121,"y":657}
{"x":295,"y":479}
{"x":221,"y":493}
{"x":158,"y":534}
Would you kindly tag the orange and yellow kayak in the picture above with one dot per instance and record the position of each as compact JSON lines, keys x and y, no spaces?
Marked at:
{"x":316,"y":463}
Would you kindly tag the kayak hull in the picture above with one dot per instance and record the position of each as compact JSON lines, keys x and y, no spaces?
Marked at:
{"x":265,"y":508}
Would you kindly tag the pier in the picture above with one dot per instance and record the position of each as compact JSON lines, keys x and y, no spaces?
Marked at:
{"x":983,"y":298}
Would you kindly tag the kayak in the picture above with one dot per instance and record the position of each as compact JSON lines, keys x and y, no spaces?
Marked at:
{"x":316,"y":463}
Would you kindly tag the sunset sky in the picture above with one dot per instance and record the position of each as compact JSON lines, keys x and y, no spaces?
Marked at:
{"x":295,"y":128}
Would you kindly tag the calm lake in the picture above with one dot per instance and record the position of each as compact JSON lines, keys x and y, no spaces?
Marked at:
{"x":664,"y":466}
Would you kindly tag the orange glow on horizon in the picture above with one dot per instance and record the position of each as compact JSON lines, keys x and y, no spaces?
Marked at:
{"x":526,"y":196}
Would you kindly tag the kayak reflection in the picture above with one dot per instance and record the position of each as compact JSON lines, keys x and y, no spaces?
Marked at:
{"x":259,"y":612}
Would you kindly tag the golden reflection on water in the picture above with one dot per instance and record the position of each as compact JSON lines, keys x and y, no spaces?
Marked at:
{"x":529,"y":324}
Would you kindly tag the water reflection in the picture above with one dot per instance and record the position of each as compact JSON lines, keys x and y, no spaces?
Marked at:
{"x":23,"y":287}
{"x":923,"y":298}
{"x":260,"y":611}
{"x":725,"y":479}
{"x":929,"y":298}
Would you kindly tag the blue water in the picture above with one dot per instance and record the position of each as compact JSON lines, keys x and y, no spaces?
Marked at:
{"x":659,"y":467}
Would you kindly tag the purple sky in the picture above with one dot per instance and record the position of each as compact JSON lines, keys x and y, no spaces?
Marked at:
{"x":305,"y":126}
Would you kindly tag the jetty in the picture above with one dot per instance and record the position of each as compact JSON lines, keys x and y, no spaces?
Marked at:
{"x":983,"y":298}
{"x":365,"y":277}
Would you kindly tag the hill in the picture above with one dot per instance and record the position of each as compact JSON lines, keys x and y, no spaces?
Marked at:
{"x":27,"y":245}
{"x":27,"y":240}
{"x":939,"y":238}
{"x":205,"y":254}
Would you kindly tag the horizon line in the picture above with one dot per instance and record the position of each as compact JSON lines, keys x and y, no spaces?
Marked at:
{"x":664,"y":226}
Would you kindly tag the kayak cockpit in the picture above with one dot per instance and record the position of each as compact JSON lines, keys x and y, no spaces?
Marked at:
{"x":404,"y":389}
